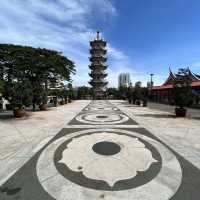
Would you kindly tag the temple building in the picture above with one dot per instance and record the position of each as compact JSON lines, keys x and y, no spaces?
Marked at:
{"x":163,"y":93}
{"x":98,"y":66}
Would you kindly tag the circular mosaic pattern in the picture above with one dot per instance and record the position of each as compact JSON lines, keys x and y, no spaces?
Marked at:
{"x":145,"y":185}
{"x":106,"y":148}
{"x":101,"y":108}
{"x":102,"y":118}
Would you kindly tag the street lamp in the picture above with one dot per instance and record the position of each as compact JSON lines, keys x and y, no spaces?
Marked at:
{"x":151,"y":86}
{"x":151,"y":80}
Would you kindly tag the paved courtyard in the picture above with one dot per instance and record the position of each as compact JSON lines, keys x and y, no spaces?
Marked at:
{"x":100,"y":150}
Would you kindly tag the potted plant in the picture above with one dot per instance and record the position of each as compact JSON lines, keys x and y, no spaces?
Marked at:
{"x":145,"y":96}
{"x":144,"y":102}
{"x":138,"y":102}
{"x":129,"y":94}
{"x":62,"y":102}
{"x":182,"y":92}
{"x":43,"y":101}
{"x":138,"y":95}
{"x":133,"y":97}
{"x":63,"y":96}
{"x":19,"y":111}
{"x":19,"y":96}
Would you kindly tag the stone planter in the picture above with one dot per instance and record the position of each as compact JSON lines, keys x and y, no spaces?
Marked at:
{"x":19,"y":112}
{"x":62,"y":102}
{"x":137,"y":102}
{"x":180,"y":112}
{"x":144,"y":103}
{"x":43,"y":107}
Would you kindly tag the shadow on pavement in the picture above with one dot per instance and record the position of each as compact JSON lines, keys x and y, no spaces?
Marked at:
{"x":157,"y":115}
{"x":6,"y":115}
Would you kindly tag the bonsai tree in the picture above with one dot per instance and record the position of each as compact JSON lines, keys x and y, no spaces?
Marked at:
{"x":129,"y":94}
{"x":137,"y":94}
{"x":65,"y":95}
{"x":71,"y":92}
{"x":144,"y":95}
{"x":196,"y":98}
{"x":182,"y":92}
{"x":42,"y":100}
{"x":2,"y":85}
{"x":19,"y":94}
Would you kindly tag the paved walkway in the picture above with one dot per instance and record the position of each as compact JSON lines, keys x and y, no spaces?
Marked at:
{"x":20,"y":139}
{"x":104,"y":150}
{"x":182,"y":134}
{"x":191,"y":112}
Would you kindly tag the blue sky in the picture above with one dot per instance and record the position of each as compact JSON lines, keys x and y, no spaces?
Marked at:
{"x":144,"y":36}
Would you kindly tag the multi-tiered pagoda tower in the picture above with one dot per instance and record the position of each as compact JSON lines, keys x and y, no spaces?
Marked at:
{"x":98,"y":66}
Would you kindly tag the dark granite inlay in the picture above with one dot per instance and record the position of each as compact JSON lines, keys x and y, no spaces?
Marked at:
{"x":106,"y":148}
{"x":10,"y":191}
{"x":102,"y":116}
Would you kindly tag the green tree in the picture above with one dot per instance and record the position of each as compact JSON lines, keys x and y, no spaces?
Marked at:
{"x":123,"y":91}
{"x":182,"y":90}
{"x":83,"y":92}
{"x":18,"y":93}
{"x":71,"y":92}
{"x":113,"y":93}
{"x":40,"y":67}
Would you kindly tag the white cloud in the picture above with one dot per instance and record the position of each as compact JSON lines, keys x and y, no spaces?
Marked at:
{"x":116,"y":54}
{"x":64,"y":25}
{"x":196,"y":65}
{"x":56,"y":24}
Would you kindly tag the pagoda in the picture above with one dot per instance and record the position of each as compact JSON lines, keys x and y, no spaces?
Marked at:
{"x":98,"y":66}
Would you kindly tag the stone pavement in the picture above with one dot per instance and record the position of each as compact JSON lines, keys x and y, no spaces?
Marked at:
{"x":20,"y":139}
{"x":109,"y":150}
{"x":182,"y":134}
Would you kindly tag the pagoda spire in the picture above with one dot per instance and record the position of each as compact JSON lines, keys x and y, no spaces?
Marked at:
{"x":98,"y":35}
{"x":98,"y":66}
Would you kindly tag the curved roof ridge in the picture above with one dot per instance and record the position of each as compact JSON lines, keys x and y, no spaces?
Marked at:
{"x":170,"y":77}
{"x":197,"y":77}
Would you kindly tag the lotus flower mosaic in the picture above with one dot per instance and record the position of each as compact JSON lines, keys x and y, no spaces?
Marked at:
{"x":132,"y":157}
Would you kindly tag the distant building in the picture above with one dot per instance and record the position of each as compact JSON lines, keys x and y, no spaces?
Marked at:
{"x":124,"y":80}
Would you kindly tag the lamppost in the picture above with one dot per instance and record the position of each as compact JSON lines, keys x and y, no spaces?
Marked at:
{"x":151,"y":85}
{"x":151,"y":80}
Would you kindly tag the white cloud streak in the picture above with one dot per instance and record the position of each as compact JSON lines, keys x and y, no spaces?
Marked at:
{"x":63,"y":25}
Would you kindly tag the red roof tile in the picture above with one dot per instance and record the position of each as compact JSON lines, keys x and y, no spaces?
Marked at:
{"x":170,"y":86}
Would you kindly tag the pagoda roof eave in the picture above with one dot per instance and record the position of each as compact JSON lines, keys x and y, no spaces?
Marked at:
{"x":94,"y":74}
{"x":98,"y":41}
